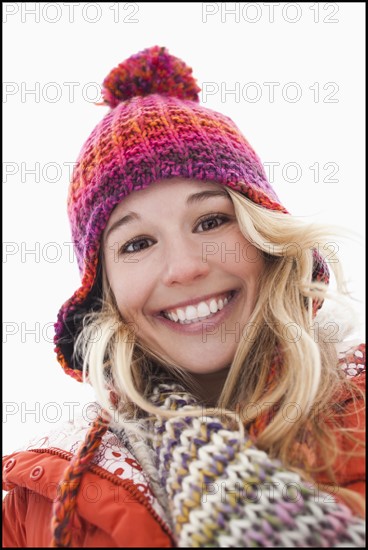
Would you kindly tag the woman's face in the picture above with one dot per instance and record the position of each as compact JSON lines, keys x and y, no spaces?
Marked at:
{"x":182,"y":273}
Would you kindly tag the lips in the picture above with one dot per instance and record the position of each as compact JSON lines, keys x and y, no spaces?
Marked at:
{"x":198,"y":309}
{"x":199,"y":325}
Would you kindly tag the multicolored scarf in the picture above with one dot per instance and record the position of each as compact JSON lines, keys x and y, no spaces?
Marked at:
{"x":224,"y":492}
{"x":216,"y":488}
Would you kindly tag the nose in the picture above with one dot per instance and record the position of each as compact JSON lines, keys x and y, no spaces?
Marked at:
{"x":184,"y":262}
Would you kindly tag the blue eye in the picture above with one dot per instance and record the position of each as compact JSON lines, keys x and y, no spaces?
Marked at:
{"x":133,"y":242}
{"x":213,"y":221}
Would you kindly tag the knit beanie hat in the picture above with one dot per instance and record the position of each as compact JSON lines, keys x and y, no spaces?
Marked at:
{"x":155,"y":129}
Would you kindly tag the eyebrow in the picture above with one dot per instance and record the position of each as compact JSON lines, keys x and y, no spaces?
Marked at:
{"x":203,"y":195}
{"x":192,"y":199}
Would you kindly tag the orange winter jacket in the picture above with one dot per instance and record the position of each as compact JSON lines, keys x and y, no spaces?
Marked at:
{"x":350,"y":472}
{"x":116,"y":506}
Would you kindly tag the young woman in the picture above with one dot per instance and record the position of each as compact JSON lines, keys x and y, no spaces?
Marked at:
{"x":223,"y":417}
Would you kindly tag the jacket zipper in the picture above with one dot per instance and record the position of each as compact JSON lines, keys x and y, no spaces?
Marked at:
{"x":120,"y":482}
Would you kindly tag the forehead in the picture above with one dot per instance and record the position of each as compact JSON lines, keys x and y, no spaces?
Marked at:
{"x":164,"y":191}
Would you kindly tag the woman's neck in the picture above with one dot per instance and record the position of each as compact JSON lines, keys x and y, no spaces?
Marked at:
{"x":209,"y":385}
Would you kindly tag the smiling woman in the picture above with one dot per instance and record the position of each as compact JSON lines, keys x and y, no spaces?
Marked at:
{"x":224,"y":418}
{"x":163,"y":285}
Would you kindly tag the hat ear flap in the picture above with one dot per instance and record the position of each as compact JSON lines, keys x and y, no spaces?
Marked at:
{"x":68,"y":329}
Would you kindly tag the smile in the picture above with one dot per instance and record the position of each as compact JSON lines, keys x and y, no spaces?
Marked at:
{"x":198,"y":312}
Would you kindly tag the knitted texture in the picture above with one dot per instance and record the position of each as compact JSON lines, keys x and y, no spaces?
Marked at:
{"x":155,"y":130}
{"x":224,"y":492}
{"x":191,"y":460}
{"x":151,"y":71}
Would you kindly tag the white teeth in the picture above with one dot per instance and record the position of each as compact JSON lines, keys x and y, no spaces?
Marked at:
{"x":190,"y":313}
{"x":180,"y":314}
{"x":203,"y":309}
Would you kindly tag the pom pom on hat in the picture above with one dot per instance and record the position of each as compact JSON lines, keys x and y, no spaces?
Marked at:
{"x":151,"y":71}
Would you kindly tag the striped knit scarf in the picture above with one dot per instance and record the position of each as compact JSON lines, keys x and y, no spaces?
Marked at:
{"x":224,"y":492}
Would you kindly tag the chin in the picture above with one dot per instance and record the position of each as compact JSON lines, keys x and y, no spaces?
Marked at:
{"x":208,"y":367}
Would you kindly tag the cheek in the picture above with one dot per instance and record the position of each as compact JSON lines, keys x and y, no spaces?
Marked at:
{"x":252,"y":259}
{"x":131,"y":291}
{"x":129,"y":302}
{"x":252,"y":255}
{"x":245,"y":258}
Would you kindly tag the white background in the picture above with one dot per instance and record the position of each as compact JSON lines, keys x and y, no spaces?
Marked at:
{"x":39,"y":129}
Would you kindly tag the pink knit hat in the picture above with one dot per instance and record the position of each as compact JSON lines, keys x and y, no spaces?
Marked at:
{"x":155,"y":130}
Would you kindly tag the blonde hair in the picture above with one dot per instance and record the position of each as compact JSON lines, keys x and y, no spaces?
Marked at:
{"x":308,"y":376}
